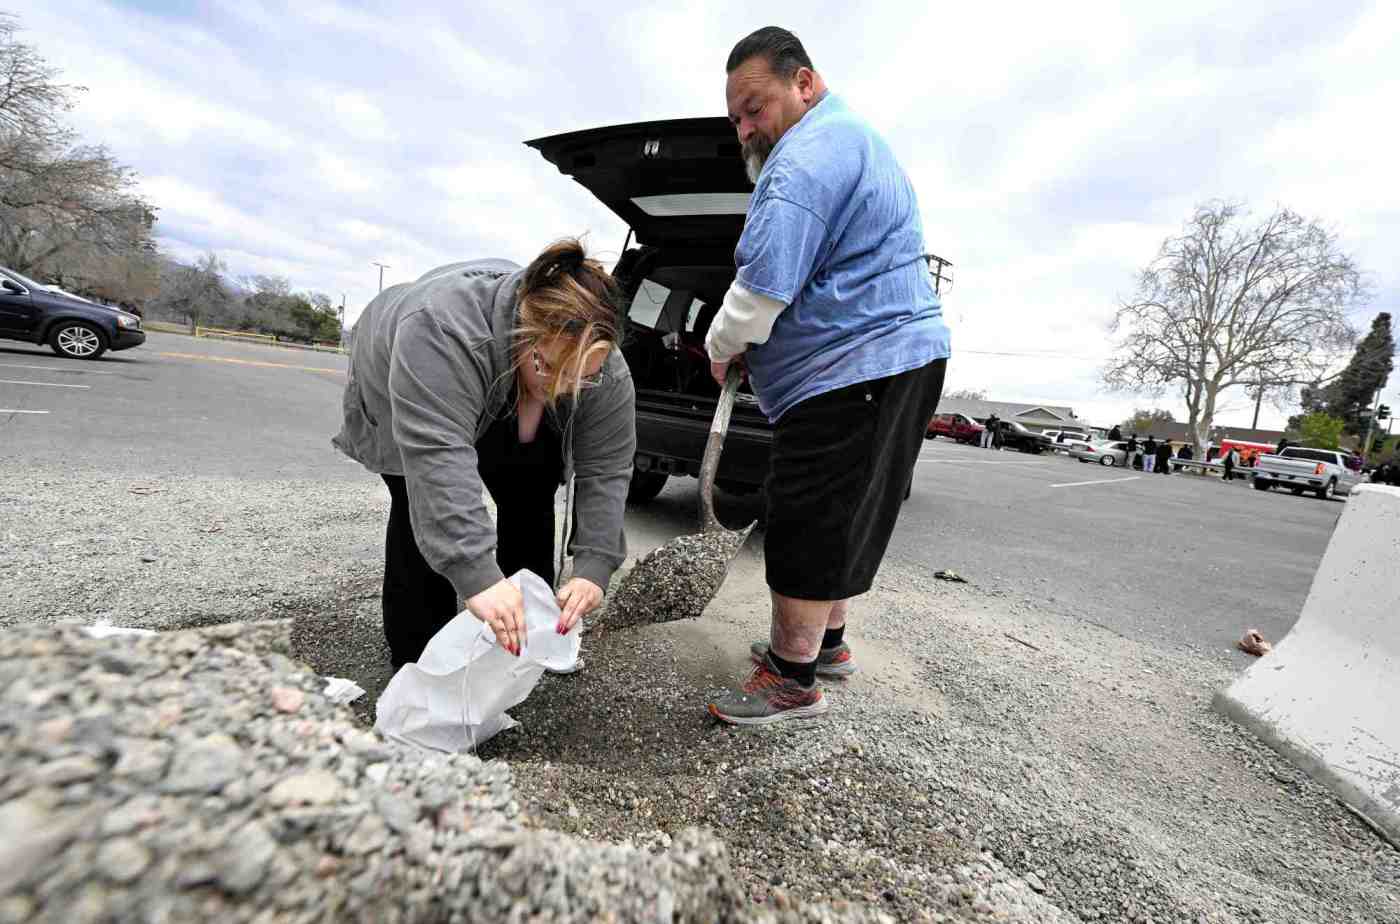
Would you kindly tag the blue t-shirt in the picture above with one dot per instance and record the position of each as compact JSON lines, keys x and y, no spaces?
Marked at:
{"x":834,"y":233}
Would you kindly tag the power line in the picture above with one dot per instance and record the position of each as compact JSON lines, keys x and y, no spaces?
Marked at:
{"x":1046,"y":355}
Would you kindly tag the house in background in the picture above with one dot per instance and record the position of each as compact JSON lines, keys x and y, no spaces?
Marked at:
{"x":1036,"y":417}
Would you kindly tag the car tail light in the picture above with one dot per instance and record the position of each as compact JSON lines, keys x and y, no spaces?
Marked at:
{"x":1089,"y":449}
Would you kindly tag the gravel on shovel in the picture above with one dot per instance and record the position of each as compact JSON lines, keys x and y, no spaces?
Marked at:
{"x":674,"y":581}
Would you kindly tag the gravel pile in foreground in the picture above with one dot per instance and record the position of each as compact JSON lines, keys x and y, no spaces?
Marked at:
{"x":201,"y":776}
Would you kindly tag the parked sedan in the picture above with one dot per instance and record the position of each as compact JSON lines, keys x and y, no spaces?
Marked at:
{"x":1104,"y":452}
{"x":71,"y":326}
{"x":1014,"y":435}
{"x":1067,"y":440}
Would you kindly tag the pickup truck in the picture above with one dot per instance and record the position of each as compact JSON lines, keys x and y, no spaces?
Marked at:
{"x":1325,"y":472}
{"x":957,"y":427}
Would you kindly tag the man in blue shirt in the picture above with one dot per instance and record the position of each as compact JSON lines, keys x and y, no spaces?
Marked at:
{"x":833,"y":312}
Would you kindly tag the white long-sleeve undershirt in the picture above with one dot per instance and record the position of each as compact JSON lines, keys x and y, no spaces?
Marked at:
{"x":744,"y":317}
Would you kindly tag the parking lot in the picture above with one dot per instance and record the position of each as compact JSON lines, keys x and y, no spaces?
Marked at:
{"x":1174,"y":560}
{"x":176,"y":405}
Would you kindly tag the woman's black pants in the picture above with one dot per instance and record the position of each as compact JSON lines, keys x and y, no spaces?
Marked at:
{"x":522,"y":479}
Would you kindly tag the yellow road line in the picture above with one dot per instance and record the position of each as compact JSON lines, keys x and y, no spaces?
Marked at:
{"x":250,"y":362}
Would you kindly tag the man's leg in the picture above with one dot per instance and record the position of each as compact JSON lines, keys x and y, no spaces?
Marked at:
{"x":797,"y":630}
{"x":828,"y":527}
{"x":416,"y":600}
{"x":834,"y":658}
{"x":1147,"y":462}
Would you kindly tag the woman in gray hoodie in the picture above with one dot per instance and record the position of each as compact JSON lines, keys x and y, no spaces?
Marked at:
{"x":481,"y":375}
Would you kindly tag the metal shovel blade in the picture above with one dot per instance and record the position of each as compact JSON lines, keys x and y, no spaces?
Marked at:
{"x":678,"y":580}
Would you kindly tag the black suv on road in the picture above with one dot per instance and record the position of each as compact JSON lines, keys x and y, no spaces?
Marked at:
{"x":73,"y":326}
{"x":680,"y":186}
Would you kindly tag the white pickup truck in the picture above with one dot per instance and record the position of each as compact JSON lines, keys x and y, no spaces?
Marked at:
{"x":1325,"y":472}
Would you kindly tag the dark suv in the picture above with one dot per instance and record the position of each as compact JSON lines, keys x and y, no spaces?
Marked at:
{"x":73,"y":326}
{"x":680,"y":187}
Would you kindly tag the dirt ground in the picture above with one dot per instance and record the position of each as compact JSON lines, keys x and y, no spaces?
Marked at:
{"x":1088,"y":764}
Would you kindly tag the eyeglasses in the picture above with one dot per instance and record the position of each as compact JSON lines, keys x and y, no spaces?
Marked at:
{"x":546,"y":370}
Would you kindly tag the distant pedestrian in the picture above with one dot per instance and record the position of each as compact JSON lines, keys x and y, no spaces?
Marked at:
{"x":1115,"y":434}
{"x":1164,"y":457}
{"x":989,"y":432}
{"x":1282,"y":445}
{"x":1149,"y":454}
{"x":1231,"y":460}
{"x":1131,"y":456}
{"x":1186,"y":452}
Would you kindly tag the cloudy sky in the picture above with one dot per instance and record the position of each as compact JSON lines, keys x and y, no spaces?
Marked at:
{"x":1053,"y":146}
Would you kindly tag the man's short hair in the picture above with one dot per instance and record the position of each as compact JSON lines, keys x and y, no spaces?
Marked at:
{"x":782,"y":50}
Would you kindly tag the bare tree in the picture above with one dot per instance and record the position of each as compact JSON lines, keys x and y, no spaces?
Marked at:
{"x":1230,"y":304}
{"x":196,"y":291}
{"x":80,"y":199}
{"x":58,"y":199}
{"x":32,"y":101}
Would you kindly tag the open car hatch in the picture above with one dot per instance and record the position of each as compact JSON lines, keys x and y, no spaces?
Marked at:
{"x":676,"y":181}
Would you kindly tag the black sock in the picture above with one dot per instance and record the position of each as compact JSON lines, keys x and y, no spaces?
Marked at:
{"x":833,"y":637}
{"x":805,"y":674}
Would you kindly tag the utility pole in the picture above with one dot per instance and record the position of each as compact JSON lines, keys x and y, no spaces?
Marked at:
{"x":340,"y":315}
{"x":1258,"y":400}
{"x":382,"y":268}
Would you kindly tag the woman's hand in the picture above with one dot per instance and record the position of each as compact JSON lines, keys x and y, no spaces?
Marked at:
{"x":502,"y":607}
{"x":578,"y":598}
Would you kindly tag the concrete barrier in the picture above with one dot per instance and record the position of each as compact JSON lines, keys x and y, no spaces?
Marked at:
{"x":1328,"y":697}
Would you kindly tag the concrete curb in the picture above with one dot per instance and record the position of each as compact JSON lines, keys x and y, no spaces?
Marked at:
{"x":1326,"y":698}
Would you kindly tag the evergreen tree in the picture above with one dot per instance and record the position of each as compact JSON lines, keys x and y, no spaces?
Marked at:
{"x":1352,"y":394}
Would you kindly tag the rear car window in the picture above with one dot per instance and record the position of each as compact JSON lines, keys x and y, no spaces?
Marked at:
{"x":654,"y":304}
{"x":1311,"y":455}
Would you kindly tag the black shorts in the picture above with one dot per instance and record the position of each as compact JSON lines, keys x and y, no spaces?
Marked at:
{"x":841,"y":464}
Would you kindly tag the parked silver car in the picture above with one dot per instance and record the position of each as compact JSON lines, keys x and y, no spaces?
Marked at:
{"x":1104,"y":452}
{"x":1067,"y":440}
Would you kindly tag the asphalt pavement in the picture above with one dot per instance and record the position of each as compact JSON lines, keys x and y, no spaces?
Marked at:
{"x":1174,"y":560}
{"x":1177,"y":560}
{"x":175,"y":405}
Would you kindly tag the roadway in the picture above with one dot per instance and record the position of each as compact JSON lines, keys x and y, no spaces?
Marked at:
{"x":1175,"y":560}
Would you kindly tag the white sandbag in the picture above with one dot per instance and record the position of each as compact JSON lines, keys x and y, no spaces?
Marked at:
{"x":456,"y":695}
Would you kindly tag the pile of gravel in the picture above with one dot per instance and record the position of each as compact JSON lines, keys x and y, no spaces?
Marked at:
{"x":676,"y":580}
{"x":201,"y":775}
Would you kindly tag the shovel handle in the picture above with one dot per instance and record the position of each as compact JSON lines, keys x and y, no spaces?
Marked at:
{"x":709,"y":464}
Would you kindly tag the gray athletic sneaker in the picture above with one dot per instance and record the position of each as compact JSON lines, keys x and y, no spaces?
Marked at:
{"x":768,"y":697}
{"x":834,"y":663}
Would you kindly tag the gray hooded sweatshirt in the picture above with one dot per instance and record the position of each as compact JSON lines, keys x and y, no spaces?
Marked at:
{"x":430,"y":369}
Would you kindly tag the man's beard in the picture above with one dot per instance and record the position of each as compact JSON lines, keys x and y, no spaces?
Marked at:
{"x":755,"y":154}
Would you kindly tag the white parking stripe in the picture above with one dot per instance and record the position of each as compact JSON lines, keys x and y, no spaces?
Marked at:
{"x":1077,"y":484}
{"x":69,"y":371}
{"x":982,"y":461}
{"x":11,"y":410}
{"x":45,"y":384}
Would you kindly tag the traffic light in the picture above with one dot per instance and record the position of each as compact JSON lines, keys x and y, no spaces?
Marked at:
{"x":1382,"y":412}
